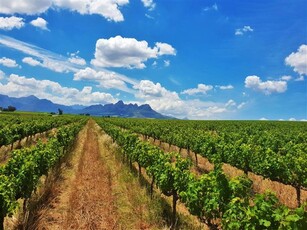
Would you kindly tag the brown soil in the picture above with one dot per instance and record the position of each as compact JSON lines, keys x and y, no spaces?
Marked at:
{"x":91,"y":201}
{"x":82,"y":198}
{"x":95,"y":190}
{"x":285,"y":193}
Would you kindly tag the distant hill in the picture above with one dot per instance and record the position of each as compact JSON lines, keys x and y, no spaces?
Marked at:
{"x":119,"y":109}
{"x":34,"y":104}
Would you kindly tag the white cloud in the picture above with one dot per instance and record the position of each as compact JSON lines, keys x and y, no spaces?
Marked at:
{"x":266,"y":87}
{"x":300,"y":78}
{"x":167,"y":63}
{"x":147,"y":89}
{"x":2,"y":74}
{"x":150,"y":4}
{"x":154,"y":64}
{"x":126,"y":52}
{"x":230,"y":103}
{"x":29,"y":7}
{"x":77,"y":60}
{"x":47,"y":59}
{"x":40,"y":23}
{"x":54,"y":65}
{"x":31,"y":61}
{"x":225,"y":87}
{"x":8,"y":62}
{"x":9,"y":23}
{"x":201,"y":88}
{"x":149,"y":16}
{"x":169,"y":103}
{"x":292,"y":119}
{"x":263,"y":119}
{"x":213,"y":7}
{"x":122,"y":52}
{"x":165,"y":49}
{"x":109,"y":9}
{"x":106,"y":79}
{"x":286,"y":78}
{"x":244,"y":30}
{"x":298,"y":60}
{"x":20,"y":86}
{"x":241,"y":105}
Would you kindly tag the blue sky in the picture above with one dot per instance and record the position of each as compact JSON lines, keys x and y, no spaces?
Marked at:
{"x":193,"y":59}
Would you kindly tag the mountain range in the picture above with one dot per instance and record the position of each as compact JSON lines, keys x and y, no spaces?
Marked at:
{"x":119,"y":109}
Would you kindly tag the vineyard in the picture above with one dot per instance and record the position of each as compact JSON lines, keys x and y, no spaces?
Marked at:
{"x":273,"y":150}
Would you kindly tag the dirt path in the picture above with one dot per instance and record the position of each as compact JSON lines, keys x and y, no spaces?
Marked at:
{"x":82,"y":198}
{"x":91,"y":201}
{"x":96,"y":190}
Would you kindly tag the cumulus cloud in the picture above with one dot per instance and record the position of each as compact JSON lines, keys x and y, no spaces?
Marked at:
{"x":31,"y":61}
{"x":147,"y":89}
{"x":105,"y":79}
{"x":9,"y":23}
{"x":286,"y":78}
{"x":40,"y":23}
{"x":266,"y":87}
{"x":109,"y":9}
{"x":201,"y":88}
{"x":7,"y":62}
{"x":300,"y":78}
{"x":298,"y":60}
{"x":244,"y":30}
{"x":75,"y":59}
{"x":127,"y":52}
{"x":225,"y":87}
{"x":165,"y":49}
{"x":169,"y":103}
{"x":29,"y":7}
{"x":20,"y":86}
{"x":150,"y":4}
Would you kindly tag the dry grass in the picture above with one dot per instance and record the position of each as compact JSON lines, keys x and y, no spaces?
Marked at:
{"x":100,"y":192}
{"x":135,"y":207}
{"x":52,"y":211}
{"x":91,"y":201}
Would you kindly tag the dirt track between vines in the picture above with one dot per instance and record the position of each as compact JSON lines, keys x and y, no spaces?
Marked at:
{"x":91,"y":201}
{"x":83,"y":198}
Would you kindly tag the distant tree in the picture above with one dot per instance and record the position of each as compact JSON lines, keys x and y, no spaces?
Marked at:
{"x":60,"y":111}
{"x":1,"y":108}
{"x":11,"y":108}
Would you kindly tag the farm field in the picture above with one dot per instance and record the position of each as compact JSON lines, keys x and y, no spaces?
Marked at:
{"x":115,"y":173}
{"x":153,"y":115}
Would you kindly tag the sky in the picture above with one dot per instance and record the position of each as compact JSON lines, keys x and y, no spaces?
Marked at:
{"x":195,"y":59}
